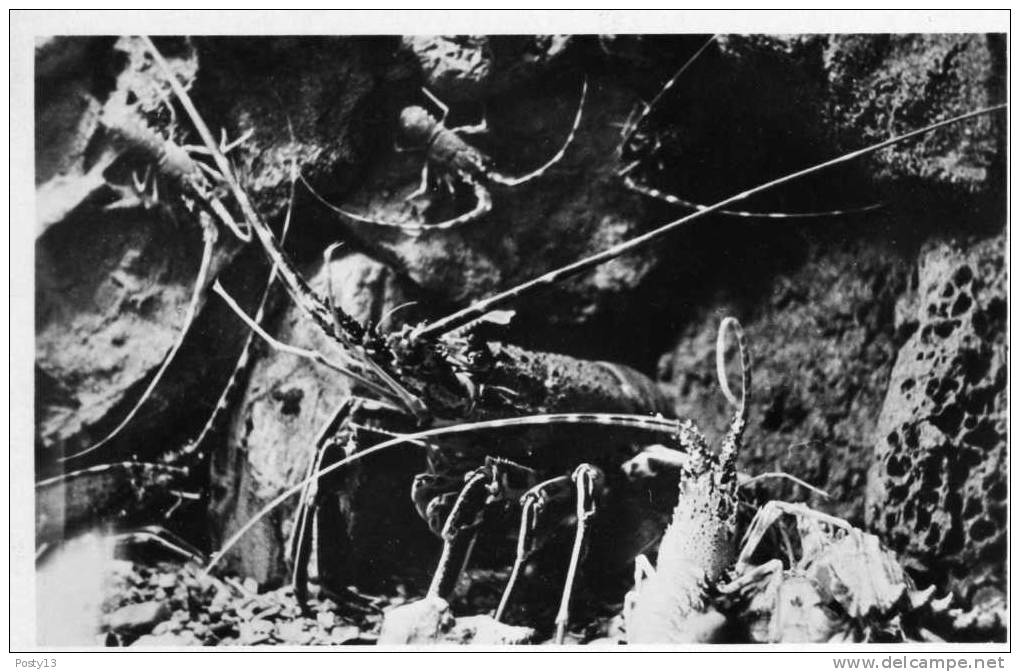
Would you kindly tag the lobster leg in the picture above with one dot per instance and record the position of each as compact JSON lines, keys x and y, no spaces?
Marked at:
{"x":304,"y":517}
{"x":443,"y":107}
{"x":587,"y":479}
{"x":459,"y":531}
{"x":480,"y":127}
{"x":424,"y":186}
{"x":534,"y":503}
{"x":769,"y":514}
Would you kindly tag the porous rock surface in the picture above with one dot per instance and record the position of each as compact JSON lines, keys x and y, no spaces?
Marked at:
{"x":939,"y":483}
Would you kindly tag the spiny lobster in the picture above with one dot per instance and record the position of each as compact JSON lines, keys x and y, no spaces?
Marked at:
{"x":454,"y":159}
{"x":199,"y":183}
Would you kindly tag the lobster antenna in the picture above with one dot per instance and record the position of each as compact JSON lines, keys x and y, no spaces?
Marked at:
{"x":782,"y":475}
{"x":478,"y":308}
{"x":720,"y":363}
{"x":732,"y":441}
{"x":299,"y":290}
{"x":521,"y":179}
{"x":674,"y":200}
{"x":647,"y":109}
{"x":245,"y":356}
{"x":642,"y":422}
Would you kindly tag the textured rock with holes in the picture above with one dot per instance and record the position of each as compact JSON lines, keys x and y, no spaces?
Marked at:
{"x":938,"y":487}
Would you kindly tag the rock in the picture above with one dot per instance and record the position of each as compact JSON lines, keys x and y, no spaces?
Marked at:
{"x":464,"y":68}
{"x":485,"y":630}
{"x":456,"y":67}
{"x":343,"y":634}
{"x":325,"y":102}
{"x":884,"y":85}
{"x":834,"y":93}
{"x":256,"y":632}
{"x":294,"y":632}
{"x":429,"y":621}
{"x":106,"y":279}
{"x":185,"y":638}
{"x":120,"y":568}
{"x":138,"y":617}
{"x":606,"y":642}
{"x":938,"y":487}
{"x":426,"y":621}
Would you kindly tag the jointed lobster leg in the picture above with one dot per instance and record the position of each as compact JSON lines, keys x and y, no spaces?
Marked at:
{"x":304,"y":517}
{"x":460,"y":530}
{"x":772,"y":512}
{"x":497,"y":480}
{"x":534,"y":506}
{"x":444,"y":109}
{"x":423,"y":186}
{"x":588,"y":480}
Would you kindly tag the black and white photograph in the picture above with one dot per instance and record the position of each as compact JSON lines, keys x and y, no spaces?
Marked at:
{"x":424,"y":337}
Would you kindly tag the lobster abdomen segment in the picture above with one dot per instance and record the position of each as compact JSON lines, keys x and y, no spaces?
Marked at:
{"x":549,"y":382}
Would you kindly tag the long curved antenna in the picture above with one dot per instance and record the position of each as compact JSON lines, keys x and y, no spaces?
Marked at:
{"x":782,"y":475}
{"x":652,"y":192}
{"x":632,"y":126}
{"x":508,"y":181}
{"x":483,"y":204}
{"x":208,"y":243}
{"x":731,"y":324}
{"x":242,"y":361}
{"x":732,"y":441}
{"x":478,"y":308}
{"x":639,"y":422}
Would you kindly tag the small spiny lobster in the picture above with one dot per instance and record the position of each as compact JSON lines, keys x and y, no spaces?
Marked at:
{"x":454,"y":159}
{"x":845,"y":586}
{"x":198,"y":182}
